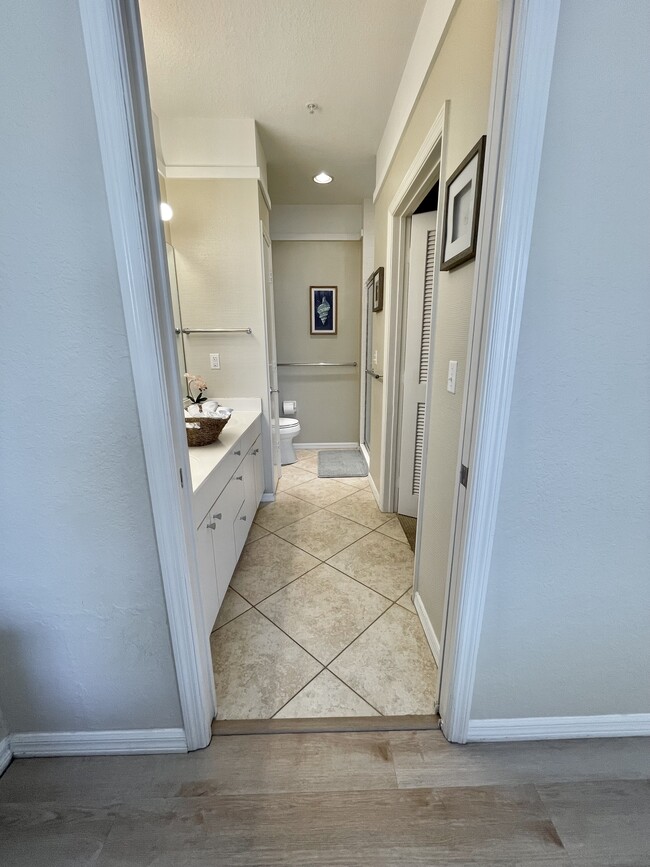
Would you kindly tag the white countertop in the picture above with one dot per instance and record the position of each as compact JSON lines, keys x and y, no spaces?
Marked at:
{"x":204,"y":459}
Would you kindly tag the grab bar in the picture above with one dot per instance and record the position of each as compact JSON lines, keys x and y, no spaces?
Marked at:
{"x":214,"y":330}
{"x":317,"y":364}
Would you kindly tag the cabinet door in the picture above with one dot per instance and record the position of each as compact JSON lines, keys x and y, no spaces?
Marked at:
{"x":256,"y":452}
{"x":223,"y":515}
{"x":207,"y":573}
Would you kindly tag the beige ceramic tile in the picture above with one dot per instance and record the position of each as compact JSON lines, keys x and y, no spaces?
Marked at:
{"x":257,"y":669}
{"x":308,"y":464}
{"x":321,"y":492}
{"x":324,"y":611}
{"x":362,"y":508}
{"x":285,"y":510}
{"x":390,"y":665}
{"x":232,"y":606}
{"x":304,"y":454}
{"x":325,"y":696}
{"x":359,"y":482}
{"x":256,"y":532}
{"x":406,"y":602}
{"x":393,"y":528}
{"x":378,"y":562}
{"x":323,"y":533}
{"x":292,"y":476}
{"x":267,"y":565}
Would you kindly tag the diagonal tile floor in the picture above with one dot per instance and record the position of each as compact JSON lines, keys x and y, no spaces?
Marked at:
{"x":318,"y":620}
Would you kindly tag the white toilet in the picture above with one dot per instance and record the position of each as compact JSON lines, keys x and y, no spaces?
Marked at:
{"x":289,"y":430}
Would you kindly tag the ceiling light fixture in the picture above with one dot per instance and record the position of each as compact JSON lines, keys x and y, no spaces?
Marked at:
{"x":166,"y":212}
{"x":323,"y":178}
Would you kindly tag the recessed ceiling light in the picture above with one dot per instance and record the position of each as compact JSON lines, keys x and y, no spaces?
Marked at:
{"x":323,"y":178}
{"x":166,"y":212}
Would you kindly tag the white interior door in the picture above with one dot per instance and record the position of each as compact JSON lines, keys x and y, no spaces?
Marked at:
{"x":416,"y":358}
{"x":272,"y":469}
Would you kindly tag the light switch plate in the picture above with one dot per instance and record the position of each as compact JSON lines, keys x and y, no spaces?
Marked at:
{"x":215,"y":361}
{"x":375,"y":358}
{"x":451,"y":376}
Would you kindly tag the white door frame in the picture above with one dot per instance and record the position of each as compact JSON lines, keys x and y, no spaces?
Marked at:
{"x":523,"y":63}
{"x":113,"y":41}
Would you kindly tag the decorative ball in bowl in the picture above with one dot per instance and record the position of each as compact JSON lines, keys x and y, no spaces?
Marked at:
{"x":204,"y":431}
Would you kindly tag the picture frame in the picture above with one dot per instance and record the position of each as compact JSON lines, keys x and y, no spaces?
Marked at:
{"x":323,"y":310}
{"x":462,"y":208}
{"x":377,"y":279}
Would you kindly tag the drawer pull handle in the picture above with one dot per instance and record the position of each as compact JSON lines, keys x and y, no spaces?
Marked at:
{"x":239,"y":478}
{"x":218,"y":516}
{"x":243,"y":518}
{"x":212,"y":526}
{"x":237,"y":452}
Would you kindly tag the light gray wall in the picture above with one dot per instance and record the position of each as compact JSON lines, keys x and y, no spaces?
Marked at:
{"x":84,"y":642}
{"x":328,"y":399}
{"x":566,"y":629}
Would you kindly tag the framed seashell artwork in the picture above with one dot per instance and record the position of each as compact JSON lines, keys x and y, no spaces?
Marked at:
{"x":322,"y":309}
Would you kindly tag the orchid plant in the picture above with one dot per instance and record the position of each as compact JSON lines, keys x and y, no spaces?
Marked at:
{"x":198,"y":383}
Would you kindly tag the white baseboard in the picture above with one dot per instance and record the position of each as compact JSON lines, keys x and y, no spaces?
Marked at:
{"x":374,"y":490}
{"x":6,"y":754}
{"x":135,"y":741}
{"x":267,"y":498}
{"x":427,"y":626}
{"x":326,"y":445}
{"x":551,"y":728}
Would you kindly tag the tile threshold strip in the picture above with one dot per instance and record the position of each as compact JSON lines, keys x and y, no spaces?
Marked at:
{"x":324,"y":725}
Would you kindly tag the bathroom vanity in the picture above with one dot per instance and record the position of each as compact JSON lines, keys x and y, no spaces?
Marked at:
{"x":227,"y":486}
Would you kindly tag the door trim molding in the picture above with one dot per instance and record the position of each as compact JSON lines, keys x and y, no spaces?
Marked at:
{"x":615,"y":725}
{"x":6,"y":754}
{"x":414,"y":183}
{"x":521,"y":81}
{"x":113,"y":42}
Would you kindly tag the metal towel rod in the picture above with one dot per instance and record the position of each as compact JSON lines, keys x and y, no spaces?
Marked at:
{"x":317,"y":364}
{"x":214,"y":330}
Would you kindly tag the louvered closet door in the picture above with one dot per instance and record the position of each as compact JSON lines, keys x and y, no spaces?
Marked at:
{"x":416,"y":359}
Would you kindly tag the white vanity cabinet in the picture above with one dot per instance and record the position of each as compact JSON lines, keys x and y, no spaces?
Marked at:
{"x":233,"y":488}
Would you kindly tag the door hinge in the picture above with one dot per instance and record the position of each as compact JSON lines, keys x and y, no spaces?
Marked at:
{"x":464,"y":473}
{"x":180,"y":472}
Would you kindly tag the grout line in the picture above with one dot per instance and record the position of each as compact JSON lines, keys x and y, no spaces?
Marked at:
{"x":304,"y":686}
{"x":359,"y":635}
{"x":339,"y":678}
{"x":322,"y":664}
{"x":383,"y":595}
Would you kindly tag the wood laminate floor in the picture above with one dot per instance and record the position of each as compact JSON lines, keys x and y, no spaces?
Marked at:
{"x":383,"y":798}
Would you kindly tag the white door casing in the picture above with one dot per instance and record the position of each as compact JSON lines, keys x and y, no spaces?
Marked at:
{"x":420,"y":300}
{"x":274,"y":466}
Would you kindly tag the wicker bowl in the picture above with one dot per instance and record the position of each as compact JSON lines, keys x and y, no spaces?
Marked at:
{"x":204,"y":430}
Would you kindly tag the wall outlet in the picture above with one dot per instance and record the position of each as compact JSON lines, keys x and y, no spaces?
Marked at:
{"x":451,"y":376}
{"x":215,"y":361}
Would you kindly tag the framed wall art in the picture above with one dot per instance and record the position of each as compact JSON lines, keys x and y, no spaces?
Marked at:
{"x":377,"y":290}
{"x":462,"y":207}
{"x":322,"y":309}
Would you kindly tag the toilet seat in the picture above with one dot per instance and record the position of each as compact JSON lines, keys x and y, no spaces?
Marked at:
{"x":288,"y":423}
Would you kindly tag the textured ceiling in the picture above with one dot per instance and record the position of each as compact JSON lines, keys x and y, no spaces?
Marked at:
{"x":266,"y":59}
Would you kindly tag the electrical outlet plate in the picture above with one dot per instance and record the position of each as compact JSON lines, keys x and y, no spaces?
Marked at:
{"x":215,"y":361}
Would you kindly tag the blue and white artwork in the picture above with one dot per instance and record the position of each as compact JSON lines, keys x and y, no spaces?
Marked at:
{"x":322,"y":307}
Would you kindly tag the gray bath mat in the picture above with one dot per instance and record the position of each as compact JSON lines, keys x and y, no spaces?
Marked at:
{"x":341,"y":464}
